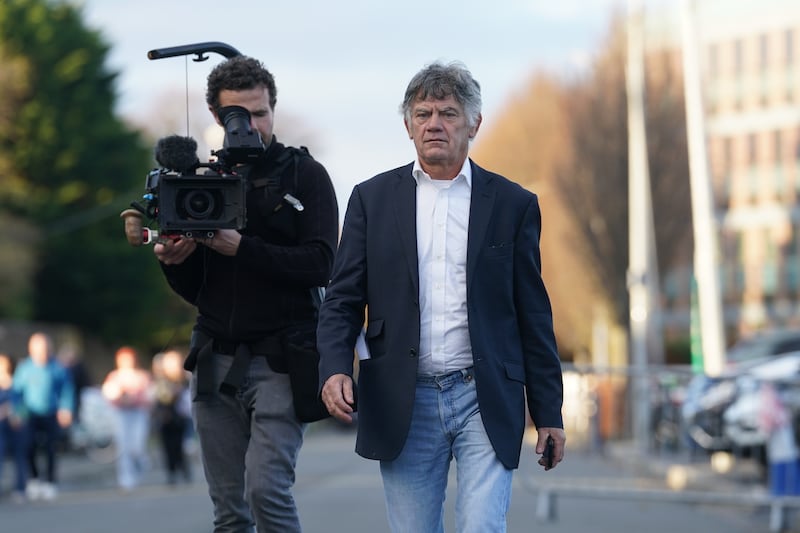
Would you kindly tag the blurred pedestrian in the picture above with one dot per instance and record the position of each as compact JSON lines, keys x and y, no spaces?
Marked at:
{"x":127,"y":387}
{"x":172,"y":412}
{"x":69,"y":356}
{"x":43,"y":402}
{"x":783,"y":455}
{"x":444,"y":258}
{"x":10,"y":441}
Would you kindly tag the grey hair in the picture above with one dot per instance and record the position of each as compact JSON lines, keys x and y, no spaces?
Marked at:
{"x":439,"y":81}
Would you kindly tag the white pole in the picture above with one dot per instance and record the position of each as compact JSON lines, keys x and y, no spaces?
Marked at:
{"x":705,"y":228}
{"x":639,"y":225}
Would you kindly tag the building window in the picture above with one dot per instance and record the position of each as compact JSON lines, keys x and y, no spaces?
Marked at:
{"x":792,"y":265}
{"x":770,"y":267}
{"x":793,"y":273}
{"x":797,"y":148}
{"x":763,"y":52}
{"x":738,"y":57}
{"x":713,"y":60}
{"x":752,"y":150}
{"x":790,"y":67}
{"x":726,"y":171}
{"x":780,"y":182}
{"x":738,"y":74}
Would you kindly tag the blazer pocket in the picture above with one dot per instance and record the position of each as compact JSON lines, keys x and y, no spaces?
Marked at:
{"x":374,"y":337}
{"x":514,"y":371}
{"x":500,"y":250}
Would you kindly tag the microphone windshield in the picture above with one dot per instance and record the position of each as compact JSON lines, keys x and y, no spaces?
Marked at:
{"x":177,"y":153}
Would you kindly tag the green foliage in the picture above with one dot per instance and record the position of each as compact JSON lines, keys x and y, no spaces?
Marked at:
{"x":64,"y":138}
{"x":17,"y":261}
{"x":68,"y":167}
{"x":116,"y":292}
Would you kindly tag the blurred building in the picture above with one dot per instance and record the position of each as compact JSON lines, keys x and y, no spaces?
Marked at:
{"x":750,"y":60}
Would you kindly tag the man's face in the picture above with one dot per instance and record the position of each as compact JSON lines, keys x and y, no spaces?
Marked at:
{"x":256,"y":101}
{"x":440,"y":131}
{"x":39,"y":349}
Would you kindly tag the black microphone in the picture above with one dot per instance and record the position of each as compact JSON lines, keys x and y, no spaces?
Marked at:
{"x":177,"y":153}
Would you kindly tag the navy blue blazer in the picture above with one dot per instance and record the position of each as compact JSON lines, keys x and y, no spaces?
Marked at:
{"x":509,"y":313}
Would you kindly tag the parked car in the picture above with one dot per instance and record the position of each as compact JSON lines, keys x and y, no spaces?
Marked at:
{"x":709,"y":398}
{"x":763,"y":344}
{"x":706,"y":400}
{"x":742,"y":421}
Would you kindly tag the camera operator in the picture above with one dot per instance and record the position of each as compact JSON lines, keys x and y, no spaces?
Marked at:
{"x":253,"y":291}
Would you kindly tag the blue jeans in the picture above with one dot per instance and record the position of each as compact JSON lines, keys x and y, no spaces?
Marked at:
{"x":132,"y":428}
{"x":446,"y":423}
{"x":249,"y":443}
{"x":11,"y":439}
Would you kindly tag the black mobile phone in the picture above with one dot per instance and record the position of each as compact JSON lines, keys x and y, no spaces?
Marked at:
{"x":548,"y":454}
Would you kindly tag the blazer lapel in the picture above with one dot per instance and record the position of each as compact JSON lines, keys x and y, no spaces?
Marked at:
{"x":405,"y":209}
{"x":480,"y":212}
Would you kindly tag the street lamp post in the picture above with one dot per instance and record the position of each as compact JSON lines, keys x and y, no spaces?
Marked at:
{"x":642,"y":270}
{"x":705,"y":230}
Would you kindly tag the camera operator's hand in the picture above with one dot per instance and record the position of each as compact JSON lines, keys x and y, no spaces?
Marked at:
{"x":174,"y":251}
{"x":225,"y":241}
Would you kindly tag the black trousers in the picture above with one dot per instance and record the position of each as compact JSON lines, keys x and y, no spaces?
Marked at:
{"x":42,"y":432}
{"x":172,"y":436}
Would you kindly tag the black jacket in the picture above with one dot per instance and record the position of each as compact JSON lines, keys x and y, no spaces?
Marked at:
{"x":283,"y":253}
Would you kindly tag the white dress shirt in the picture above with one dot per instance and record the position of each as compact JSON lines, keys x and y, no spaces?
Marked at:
{"x":442,"y":224}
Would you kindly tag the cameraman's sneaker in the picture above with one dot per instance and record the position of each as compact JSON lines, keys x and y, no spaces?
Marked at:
{"x":33,"y":490}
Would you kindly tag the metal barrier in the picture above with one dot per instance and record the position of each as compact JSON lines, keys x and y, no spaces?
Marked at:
{"x":547,"y":494}
{"x":598,"y":417}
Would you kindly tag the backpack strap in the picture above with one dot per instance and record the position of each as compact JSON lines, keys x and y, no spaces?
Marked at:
{"x":276,"y":193}
{"x":275,"y":187}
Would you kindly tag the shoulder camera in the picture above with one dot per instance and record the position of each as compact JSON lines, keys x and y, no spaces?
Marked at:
{"x":189,"y":198}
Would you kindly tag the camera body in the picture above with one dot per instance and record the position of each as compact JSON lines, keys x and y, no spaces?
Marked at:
{"x":193,"y":199}
{"x":195,"y":204}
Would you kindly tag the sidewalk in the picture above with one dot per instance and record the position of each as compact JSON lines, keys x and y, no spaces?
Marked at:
{"x":677,"y":471}
{"x":681,"y":471}
{"x":75,"y":471}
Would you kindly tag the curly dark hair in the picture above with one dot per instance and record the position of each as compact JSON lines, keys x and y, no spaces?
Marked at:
{"x":239,"y":73}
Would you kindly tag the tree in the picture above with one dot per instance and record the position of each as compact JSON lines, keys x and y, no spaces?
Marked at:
{"x":528,"y":143}
{"x":567,"y":141}
{"x":595,"y":181}
{"x":69,"y":167}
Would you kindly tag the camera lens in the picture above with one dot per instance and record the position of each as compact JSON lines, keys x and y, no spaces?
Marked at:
{"x":198,"y":204}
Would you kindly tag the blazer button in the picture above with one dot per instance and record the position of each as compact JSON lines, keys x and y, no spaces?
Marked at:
{"x":412,"y":353}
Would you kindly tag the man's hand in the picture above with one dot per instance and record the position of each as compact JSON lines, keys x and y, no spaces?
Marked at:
{"x":559,"y":441}
{"x":224,"y":241}
{"x":174,"y":251}
{"x":337,"y":395}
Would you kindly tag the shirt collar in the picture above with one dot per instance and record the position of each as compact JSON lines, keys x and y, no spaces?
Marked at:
{"x":466,"y":172}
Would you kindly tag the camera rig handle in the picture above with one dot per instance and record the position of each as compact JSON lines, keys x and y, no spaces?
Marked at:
{"x":198,"y":48}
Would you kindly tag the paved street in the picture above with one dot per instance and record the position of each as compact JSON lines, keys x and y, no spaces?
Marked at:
{"x":338,"y":491}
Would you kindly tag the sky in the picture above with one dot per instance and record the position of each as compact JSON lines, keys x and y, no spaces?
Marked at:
{"x":342,"y":66}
